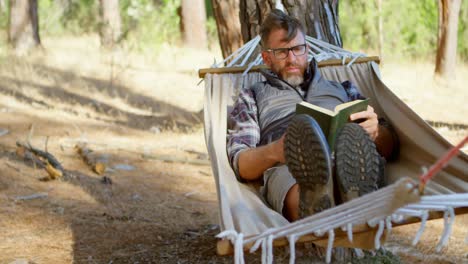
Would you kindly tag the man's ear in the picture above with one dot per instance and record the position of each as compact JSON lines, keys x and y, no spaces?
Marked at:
{"x":266,"y":58}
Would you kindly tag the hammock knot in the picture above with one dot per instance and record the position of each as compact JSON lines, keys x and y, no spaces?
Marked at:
{"x":237,"y":239}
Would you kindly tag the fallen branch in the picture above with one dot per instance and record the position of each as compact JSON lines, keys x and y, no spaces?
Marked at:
{"x":42,"y":154}
{"x":28,"y":156}
{"x":30,"y":197}
{"x":41,"y":159}
{"x":95,"y":162}
{"x":166,"y":158}
{"x":53,"y":172}
{"x":451,"y":126}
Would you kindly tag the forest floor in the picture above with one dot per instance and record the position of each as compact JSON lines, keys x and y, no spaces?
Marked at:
{"x":144,"y":115}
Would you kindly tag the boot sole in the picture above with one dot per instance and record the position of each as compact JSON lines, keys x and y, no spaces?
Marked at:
{"x":308,"y":159}
{"x":357,"y":162}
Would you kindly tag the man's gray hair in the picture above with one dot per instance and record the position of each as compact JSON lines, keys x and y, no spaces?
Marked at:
{"x":277,"y":19}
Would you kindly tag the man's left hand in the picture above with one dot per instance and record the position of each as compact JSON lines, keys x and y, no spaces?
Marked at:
{"x":371,"y":123}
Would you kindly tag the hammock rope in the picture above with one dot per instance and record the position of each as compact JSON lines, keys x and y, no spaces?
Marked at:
{"x":318,"y":49}
{"x":417,"y":237}
{"x":374,"y":206}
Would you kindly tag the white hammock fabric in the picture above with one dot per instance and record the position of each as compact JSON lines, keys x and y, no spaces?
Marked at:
{"x":246,"y":220}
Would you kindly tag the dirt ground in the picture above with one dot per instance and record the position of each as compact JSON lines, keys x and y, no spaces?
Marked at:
{"x":143,"y":114}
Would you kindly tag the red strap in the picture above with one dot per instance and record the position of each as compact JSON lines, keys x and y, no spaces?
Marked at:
{"x":442,"y":162}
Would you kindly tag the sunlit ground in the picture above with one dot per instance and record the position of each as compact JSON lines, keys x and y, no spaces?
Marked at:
{"x":74,"y":90}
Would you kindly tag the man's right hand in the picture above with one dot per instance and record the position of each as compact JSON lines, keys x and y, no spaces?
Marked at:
{"x":253,"y":162}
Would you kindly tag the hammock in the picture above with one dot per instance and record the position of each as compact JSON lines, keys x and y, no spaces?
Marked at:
{"x":247,"y":223}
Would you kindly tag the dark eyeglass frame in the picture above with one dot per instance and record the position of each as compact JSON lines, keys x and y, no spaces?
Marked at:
{"x":286,"y":50}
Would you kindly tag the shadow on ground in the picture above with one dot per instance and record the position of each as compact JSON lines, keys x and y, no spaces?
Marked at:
{"x":63,"y":95}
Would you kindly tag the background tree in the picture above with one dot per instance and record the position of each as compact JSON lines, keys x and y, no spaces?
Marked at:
{"x":226,"y":13}
{"x":411,"y":33}
{"x":447,"y":38}
{"x":193,"y":26}
{"x":319,"y":17}
{"x":63,"y":6}
{"x":23,"y":29}
{"x":2,"y":6}
{"x":381,"y":33}
{"x":110,"y":25}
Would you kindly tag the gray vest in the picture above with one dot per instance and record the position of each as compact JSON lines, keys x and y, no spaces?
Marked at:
{"x":276,"y":100}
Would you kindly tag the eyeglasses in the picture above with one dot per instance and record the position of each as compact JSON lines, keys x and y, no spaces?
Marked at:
{"x":282,"y":53}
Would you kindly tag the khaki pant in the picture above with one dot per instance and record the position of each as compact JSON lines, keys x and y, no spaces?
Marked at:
{"x":277,"y":182}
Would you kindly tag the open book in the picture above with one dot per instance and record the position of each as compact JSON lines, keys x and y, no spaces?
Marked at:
{"x":332,"y":121}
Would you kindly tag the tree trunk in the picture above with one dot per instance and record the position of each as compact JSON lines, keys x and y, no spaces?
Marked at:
{"x":449,"y":11}
{"x":193,"y":23}
{"x":319,"y":17}
{"x":226,"y":13}
{"x":252,"y":14}
{"x":111,"y":25}
{"x":381,"y":34}
{"x":2,"y":6}
{"x":23,"y":30}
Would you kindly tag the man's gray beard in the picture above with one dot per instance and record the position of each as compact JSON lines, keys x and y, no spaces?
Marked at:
{"x":294,"y":80}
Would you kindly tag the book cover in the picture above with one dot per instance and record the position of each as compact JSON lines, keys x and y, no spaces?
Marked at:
{"x":332,"y":121}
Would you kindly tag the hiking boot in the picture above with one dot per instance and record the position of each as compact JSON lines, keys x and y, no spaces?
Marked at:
{"x":357,"y":163}
{"x":309,"y":161}
{"x":382,"y":180}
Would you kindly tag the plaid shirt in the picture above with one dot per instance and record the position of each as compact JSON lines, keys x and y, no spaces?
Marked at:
{"x":244,"y":129}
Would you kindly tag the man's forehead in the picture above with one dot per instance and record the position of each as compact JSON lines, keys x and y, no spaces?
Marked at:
{"x":298,"y":37}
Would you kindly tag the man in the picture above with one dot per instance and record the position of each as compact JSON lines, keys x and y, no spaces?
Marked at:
{"x":290,"y":154}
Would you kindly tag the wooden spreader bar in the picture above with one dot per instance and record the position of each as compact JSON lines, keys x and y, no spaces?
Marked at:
{"x":333,"y":62}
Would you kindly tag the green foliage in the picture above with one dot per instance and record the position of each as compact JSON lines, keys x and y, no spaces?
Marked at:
{"x":3,"y":26}
{"x":409,"y":27}
{"x":4,"y":17}
{"x":145,"y":23}
{"x":212,"y":31}
{"x":357,"y":24}
{"x":146,"y":26}
{"x":463,"y":31}
{"x":80,"y":16}
{"x":58,"y":17}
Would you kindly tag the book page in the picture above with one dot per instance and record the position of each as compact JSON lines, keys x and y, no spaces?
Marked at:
{"x":318,"y":108}
{"x":345,"y":105}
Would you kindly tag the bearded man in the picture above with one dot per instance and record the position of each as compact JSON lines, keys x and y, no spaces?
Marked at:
{"x":289,"y":154}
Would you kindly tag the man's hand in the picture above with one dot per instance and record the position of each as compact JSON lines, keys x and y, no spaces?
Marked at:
{"x":371,"y":123}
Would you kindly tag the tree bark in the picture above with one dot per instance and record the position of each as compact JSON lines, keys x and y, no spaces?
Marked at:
{"x":23,"y":29}
{"x":319,"y":17}
{"x":252,"y":14}
{"x":193,"y":22}
{"x":111,"y":25}
{"x":226,"y":13}
{"x":96,"y":162}
{"x":449,"y":11}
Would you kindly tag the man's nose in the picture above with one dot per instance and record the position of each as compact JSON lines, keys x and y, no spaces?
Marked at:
{"x":291,"y":56}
